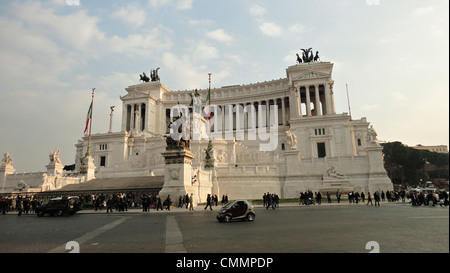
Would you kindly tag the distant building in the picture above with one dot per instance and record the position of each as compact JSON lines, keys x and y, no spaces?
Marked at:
{"x":437,"y":148}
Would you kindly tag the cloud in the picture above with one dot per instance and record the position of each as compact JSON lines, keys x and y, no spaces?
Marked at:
{"x":186,"y":74}
{"x":184,"y":4}
{"x":270,"y":29}
{"x":421,"y":11}
{"x":297,"y":28}
{"x":203,"y":22}
{"x":220,"y":35}
{"x":178,"y":4}
{"x":399,"y":97}
{"x":235,"y":58}
{"x":257,"y":10}
{"x":140,"y":44}
{"x":203,"y":51}
{"x":131,"y":14}
{"x":77,"y":30}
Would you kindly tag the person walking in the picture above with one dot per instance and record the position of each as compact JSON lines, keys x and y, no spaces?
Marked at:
{"x":191,"y":202}
{"x":109,"y":205}
{"x":377,"y":198}
{"x":369,"y":199}
{"x":168,"y":202}
{"x":208,"y":202}
{"x":269,"y":201}
{"x":329,"y":197}
{"x":158,"y":203}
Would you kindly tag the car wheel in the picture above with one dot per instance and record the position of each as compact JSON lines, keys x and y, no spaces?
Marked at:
{"x":40,"y":213}
{"x":250,"y":217}
{"x":227,"y":218}
{"x":60,"y":212}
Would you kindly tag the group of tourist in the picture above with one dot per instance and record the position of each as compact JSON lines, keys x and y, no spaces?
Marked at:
{"x":21,"y":204}
{"x":122,"y":201}
{"x":271,"y":200}
{"x":430,"y":198}
{"x":153,"y":201}
{"x":310,"y":198}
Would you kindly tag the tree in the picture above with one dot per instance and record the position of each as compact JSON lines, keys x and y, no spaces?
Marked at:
{"x":405,"y":165}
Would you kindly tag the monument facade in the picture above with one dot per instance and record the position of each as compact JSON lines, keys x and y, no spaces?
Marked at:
{"x":308,"y":145}
{"x":280,"y":136}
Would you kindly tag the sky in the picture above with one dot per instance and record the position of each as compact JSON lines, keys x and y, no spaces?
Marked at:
{"x":392,"y":54}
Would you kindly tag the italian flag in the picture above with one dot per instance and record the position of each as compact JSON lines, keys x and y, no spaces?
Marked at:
{"x":88,"y":117}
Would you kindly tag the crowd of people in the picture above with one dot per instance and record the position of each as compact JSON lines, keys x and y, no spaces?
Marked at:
{"x":428,"y":198}
{"x":271,"y":200}
{"x":20,"y":204}
{"x":122,"y":201}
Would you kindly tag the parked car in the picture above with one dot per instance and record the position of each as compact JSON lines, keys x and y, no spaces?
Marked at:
{"x":60,"y":206}
{"x":237,"y":210}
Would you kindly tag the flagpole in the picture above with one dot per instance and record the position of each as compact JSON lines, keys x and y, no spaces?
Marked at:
{"x":90,"y":125}
{"x":209,"y":105}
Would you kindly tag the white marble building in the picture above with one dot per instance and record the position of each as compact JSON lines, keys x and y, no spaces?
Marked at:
{"x":316,"y":148}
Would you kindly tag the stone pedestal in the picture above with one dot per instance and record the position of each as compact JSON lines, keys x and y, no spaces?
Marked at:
{"x":293,"y":160}
{"x":292,"y":184}
{"x":5,"y":169}
{"x":88,"y":168}
{"x":54,"y":168}
{"x":378,"y":179}
{"x":178,"y":174}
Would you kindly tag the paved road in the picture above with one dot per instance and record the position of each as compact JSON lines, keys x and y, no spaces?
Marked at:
{"x":395,"y":228}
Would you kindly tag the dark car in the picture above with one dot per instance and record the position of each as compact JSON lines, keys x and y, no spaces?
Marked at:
{"x":60,"y":206}
{"x":237,"y":210}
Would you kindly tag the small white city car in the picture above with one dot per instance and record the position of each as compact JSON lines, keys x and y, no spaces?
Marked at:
{"x":237,"y":210}
{"x":60,"y":206}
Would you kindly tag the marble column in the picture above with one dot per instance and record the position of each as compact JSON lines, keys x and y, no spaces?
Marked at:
{"x":317,"y":95}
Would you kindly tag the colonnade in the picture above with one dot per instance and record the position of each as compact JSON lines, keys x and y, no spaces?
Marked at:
{"x":136,"y":117}
{"x":250,"y":116}
{"x":314,"y":100}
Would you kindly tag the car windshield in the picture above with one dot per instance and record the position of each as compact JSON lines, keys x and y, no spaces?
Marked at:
{"x":229,"y":204}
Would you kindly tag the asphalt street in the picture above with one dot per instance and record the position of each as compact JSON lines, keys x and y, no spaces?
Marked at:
{"x":343,"y":228}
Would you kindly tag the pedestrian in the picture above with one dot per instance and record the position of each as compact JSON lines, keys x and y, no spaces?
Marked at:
{"x":158,"y":203}
{"x":191,"y":202}
{"x":329,"y":197}
{"x":19,"y":206}
{"x":208,"y":201}
{"x":168,"y":202}
{"x":109,"y":205}
{"x":319,"y":198}
{"x":186,"y":199}
{"x":377,"y":198}
{"x":97,"y":203}
{"x":369,"y":199}
{"x":180,"y":201}
{"x":269,"y":201}
{"x":338,"y":196}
